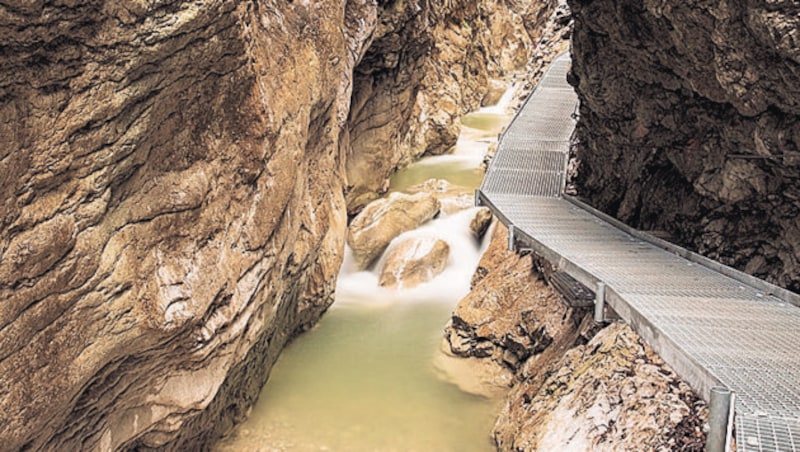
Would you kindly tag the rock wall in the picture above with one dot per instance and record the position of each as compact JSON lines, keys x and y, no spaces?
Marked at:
{"x":429,"y":63}
{"x":575,"y":385}
{"x":171,"y":208}
{"x":690,"y":124}
{"x":172,"y":190}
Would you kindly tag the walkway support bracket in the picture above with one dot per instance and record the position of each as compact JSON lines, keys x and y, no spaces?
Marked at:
{"x":512,"y":240}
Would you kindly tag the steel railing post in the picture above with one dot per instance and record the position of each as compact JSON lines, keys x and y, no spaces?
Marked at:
{"x":600,"y":302}
{"x":719,"y":410}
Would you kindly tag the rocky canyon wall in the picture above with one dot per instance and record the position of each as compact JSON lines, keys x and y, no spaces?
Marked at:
{"x":430,"y":62}
{"x":172,"y":190}
{"x":690,"y":124}
{"x":172,"y":208}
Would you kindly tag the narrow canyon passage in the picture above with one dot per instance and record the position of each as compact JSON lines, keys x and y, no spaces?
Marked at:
{"x":370,"y":375}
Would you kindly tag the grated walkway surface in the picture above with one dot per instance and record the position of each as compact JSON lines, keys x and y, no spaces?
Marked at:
{"x":714,"y":325}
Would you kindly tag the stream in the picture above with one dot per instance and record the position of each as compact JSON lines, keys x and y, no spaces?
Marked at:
{"x":364,"y":378}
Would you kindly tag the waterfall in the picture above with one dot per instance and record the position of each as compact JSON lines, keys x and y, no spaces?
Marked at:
{"x":504,"y":104}
{"x":448,"y":287}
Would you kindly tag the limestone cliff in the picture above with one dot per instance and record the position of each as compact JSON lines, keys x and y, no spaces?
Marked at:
{"x":429,"y":63}
{"x":172,"y":190}
{"x":690,"y":124}
{"x":171,"y":208}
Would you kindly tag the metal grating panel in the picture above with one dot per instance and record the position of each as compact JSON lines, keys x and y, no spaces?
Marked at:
{"x":715,"y":329}
{"x":761,"y":433}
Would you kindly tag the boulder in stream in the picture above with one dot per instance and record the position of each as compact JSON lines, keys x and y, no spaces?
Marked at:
{"x":454,"y":198}
{"x":413,"y":261}
{"x":480,"y":222}
{"x":384,"y":219}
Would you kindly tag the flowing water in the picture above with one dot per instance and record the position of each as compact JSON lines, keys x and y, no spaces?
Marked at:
{"x":364,"y":379}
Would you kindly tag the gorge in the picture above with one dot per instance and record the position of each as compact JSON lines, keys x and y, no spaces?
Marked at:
{"x":177,"y":179}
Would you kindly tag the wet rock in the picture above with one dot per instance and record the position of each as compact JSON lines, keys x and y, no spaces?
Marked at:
{"x":453,"y":198}
{"x":690,"y":121}
{"x":413,"y":261}
{"x":476,"y":376}
{"x":382,"y":220}
{"x":576,"y":386}
{"x":480,"y":222}
{"x":613,"y":393}
{"x":494,"y":93}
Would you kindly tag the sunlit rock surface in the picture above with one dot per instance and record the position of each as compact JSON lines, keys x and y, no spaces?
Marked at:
{"x":413,"y":261}
{"x":384,"y":219}
{"x":171,"y":209}
{"x":690,"y":124}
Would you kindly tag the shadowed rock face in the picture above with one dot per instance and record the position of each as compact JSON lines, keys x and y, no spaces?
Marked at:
{"x":690,"y":123}
{"x":171,"y":209}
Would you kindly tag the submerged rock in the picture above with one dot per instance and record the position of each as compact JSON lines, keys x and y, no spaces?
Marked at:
{"x":413,"y":261}
{"x":383,"y":220}
{"x":613,"y":393}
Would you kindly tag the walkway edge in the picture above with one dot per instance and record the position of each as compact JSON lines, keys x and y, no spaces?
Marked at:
{"x":765,"y":287}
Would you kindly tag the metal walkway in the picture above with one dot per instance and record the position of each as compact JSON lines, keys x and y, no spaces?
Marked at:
{"x":714,"y":325}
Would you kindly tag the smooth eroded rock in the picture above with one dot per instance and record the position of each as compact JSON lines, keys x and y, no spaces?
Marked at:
{"x":413,"y":261}
{"x":383,"y":220}
{"x":454,"y":198}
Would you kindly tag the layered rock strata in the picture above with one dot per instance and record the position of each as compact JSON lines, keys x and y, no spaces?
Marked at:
{"x":172,"y":182}
{"x":171,"y":209}
{"x":690,"y":124}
